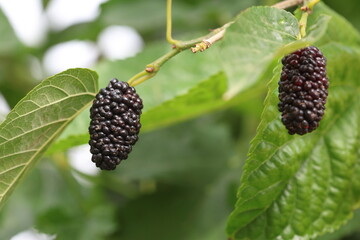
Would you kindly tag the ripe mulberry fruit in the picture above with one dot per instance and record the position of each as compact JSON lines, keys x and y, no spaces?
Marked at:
{"x":115,"y":124}
{"x":303,"y":90}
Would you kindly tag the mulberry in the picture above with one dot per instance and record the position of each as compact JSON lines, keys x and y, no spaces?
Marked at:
{"x":115,"y":124}
{"x":303,"y":90}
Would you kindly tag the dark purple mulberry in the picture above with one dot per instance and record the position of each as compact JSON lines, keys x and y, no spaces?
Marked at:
{"x":115,"y":124}
{"x":303,"y":90}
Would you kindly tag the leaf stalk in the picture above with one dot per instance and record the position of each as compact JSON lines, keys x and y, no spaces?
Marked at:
{"x":306,"y":9}
{"x":169,"y":23}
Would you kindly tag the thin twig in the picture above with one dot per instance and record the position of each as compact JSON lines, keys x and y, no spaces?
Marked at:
{"x":206,"y":43}
{"x":287,"y":4}
{"x":169,"y":23}
{"x":306,"y":10}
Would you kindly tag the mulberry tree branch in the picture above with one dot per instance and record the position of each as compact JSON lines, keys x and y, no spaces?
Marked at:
{"x":288,"y":4}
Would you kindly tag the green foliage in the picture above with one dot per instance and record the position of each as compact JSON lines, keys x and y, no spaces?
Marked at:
{"x":38,"y":119}
{"x":181,"y":179}
{"x":301,"y":187}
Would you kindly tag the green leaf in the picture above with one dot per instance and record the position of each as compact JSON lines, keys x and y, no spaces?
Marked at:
{"x":353,"y":226}
{"x":304,"y":186}
{"x":339,"y":29}
{"x":204,"y":97}
{"x":38,"y":119}
{"x":258,"y":36}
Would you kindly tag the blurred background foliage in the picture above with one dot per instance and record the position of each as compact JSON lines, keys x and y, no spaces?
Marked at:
{"x":180,"y":182}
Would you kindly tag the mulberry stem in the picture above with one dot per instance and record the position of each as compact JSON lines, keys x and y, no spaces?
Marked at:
{"x":287,"y":4}
{"x":137,"y":76}
{"x":169,"y":23}
{"x":312,"y":4}
{"x":303,"y":24}
{"x":152,"y":68}
{"x":307,"y":9}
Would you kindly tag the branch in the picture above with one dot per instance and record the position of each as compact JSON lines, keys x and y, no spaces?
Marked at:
{"x":287,"y":4}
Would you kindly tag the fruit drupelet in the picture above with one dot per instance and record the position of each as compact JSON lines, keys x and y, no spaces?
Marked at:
{"x":115,"y":124}
{"x":303,"y":90}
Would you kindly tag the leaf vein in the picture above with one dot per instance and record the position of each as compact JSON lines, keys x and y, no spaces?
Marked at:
{"x":44,"y":106}
{"x":17,"y":153}
{"x":12,"y":168}
{"x":78,"y":79}
{"x":35,"y":129}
